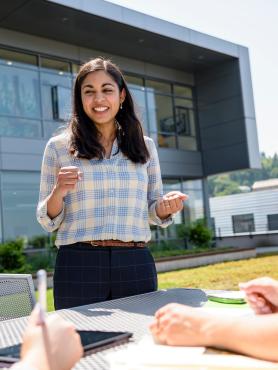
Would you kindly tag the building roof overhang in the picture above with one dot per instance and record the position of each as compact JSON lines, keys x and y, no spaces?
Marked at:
{"x":112,"y":29}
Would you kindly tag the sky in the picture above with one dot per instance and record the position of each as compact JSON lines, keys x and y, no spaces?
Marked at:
{"x":251,"y":23}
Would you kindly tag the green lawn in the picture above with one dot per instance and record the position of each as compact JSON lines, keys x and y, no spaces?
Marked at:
{"x":224,"y":275}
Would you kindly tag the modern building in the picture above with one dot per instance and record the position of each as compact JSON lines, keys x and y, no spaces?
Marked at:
{"x":193,"y":93}
{"x":245,"y":216}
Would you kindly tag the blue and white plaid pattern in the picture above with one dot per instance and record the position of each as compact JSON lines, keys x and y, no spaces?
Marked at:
{"x":115,"y":199}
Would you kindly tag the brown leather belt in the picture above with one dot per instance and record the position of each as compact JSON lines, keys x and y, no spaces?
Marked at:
{"x":114,"y":243}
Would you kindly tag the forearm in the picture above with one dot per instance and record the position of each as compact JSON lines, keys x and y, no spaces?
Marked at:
{"x":255,"y":336}
{"x":54,"y":203}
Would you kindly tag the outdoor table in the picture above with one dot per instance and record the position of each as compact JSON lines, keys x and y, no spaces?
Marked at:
{"x":133,"y":314}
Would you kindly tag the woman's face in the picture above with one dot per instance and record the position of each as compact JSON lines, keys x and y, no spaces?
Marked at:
{"x":101,"y":98}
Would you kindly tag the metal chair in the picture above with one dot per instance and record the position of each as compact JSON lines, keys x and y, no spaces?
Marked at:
{"x":17,"y":295}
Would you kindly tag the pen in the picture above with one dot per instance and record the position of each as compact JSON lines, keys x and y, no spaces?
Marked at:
{"x":41,"y":278}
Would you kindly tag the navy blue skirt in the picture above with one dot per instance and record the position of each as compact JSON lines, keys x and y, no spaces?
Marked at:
{"x":85,"y":274}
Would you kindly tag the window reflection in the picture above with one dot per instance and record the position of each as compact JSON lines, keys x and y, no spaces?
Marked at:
{"x":20,"y":127}
{"x":134,"y":81}
{"x":57,"y":66}
{"x":39,"y":95}
{"x":192,"y":211}
{"x":10,"y":57}
{"x":183,"y":91}
{"x":159,"y":87}
{"x":19,"y":92}
{"x":53,"y":109}
{"x":138,"y":96}
{"x":19,"y":195}
{"x":160,"y":112}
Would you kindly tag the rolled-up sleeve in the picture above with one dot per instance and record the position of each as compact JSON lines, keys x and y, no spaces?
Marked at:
{"x":155,"y":188}
{"x":49,"y":170}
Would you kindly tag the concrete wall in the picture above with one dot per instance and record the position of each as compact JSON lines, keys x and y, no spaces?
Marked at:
{"x":188,"y":262}
{"x":226,"y":115}
{"x":247,"y":241}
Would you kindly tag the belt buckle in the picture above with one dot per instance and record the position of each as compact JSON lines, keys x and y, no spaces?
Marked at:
{"x":94,"y":244}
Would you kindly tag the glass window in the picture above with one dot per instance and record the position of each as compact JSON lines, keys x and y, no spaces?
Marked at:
{"x":184,"y":103}
{"x":194,"y":206}
{"x":187,"y":143}
{"x":19,"y":92}
{"x":158,"y":87}
{"x":166,"y":141}
{"x":183,"y":91}
{"x":192,"y":185}
{"x":272,"y":221}
{"x":20,"y":127}
{"x":160,"y":109}
{"x":52,"y":128}
{"x":75,"y":68}
{"x":57,"y":65}
{"x":20,"y":196}
{"x":50,"y":82}
{"x":243,"y":223}
{"x":173,"y":185}
{"x":171,"y":119}
{"x":60,"y":100}
{"x":193,"y":210}
{"x":134,"y":82}
{"x":10,"y":57}
{"x":140,"y":106}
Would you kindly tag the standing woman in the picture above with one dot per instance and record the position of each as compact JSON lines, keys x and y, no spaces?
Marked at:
{"x":100,"y":189}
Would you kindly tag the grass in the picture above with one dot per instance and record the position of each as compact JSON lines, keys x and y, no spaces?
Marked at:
{"x":225,"y":275}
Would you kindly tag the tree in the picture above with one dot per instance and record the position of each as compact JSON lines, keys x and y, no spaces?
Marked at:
{"x":226,"y":184}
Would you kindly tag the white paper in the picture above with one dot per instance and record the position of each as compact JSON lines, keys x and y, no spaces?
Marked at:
{"x":146,"y":355}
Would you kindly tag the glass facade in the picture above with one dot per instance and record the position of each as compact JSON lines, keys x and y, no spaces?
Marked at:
{"x":29,"y":107}
{"x":167,"y":111}
{"x":192,"y":211}
{"x":19,"y":193}
{"x":35,"y":101}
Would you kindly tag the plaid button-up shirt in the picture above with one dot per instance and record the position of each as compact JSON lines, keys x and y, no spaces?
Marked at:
{"x":115,"y":199}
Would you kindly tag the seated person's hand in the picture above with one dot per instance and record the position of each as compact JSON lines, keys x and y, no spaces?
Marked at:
{"x":54,"y":345}
{"x":179,"y":325}
{"x":261,"y":294}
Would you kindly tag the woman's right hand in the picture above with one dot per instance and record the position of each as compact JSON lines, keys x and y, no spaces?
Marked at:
{"x":67,"y":179}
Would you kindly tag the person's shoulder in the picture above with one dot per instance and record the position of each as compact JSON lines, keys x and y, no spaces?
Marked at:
{"x":59,"y":141}
{"x":150,"y":144}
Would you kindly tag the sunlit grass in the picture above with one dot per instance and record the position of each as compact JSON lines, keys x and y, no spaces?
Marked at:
{"x":225,"y":275}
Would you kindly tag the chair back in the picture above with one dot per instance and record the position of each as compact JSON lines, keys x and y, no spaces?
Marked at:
{"x":17,"y":295}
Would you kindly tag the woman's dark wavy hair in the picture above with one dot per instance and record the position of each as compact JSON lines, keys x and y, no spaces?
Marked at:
{"x":84,"y":139}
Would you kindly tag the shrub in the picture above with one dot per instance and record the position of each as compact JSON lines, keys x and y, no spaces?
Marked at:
{"x":39,"y":241}
{"x":199,"y":234}
{"x":39,"y":261}
{"x":11,"y":256}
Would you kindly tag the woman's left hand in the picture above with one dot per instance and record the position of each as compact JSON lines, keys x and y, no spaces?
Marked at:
{"x":170,"y":203}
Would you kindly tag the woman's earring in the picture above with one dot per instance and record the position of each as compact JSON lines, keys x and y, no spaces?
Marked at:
{"x":121,"y":106}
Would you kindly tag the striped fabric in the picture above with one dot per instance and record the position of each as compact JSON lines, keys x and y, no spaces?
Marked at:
{"x":115,"y":199}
